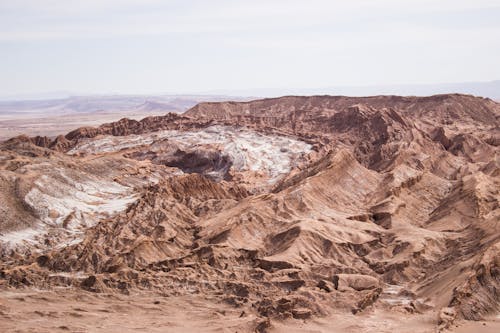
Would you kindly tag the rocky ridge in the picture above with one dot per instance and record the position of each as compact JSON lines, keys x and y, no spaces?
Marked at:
{"x":393,"y":204}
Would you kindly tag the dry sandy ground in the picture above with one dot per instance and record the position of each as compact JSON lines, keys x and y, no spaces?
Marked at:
{"x":35,"y":124}
{"x":71,"y":311}
{"x":65,"y":311}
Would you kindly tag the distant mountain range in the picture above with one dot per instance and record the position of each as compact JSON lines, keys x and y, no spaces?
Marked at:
{"x":37,"y":104}
{"x":489,"y":89}
{"x":107,"y":104}
{"x":48,"y":117}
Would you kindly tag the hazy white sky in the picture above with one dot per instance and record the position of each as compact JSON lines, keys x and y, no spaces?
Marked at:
{"x":185,"y":46}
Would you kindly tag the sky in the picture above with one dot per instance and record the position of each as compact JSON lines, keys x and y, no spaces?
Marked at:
{"x":194,"y":46}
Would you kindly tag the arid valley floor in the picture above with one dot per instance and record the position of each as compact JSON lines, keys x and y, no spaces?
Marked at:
{"x":290,"y":214}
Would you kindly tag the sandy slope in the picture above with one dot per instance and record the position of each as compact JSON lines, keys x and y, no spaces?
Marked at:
{"x":63,"y":311}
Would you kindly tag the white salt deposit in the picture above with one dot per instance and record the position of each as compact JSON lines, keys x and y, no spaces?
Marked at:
{"x":68,"y":202}
{"x":26,"y":236}
{"x":391,"y":294}
{"x":69,"y":206}
{"x":251,"y":151}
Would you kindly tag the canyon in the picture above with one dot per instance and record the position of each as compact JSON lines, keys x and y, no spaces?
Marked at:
{"x":319,"y":213}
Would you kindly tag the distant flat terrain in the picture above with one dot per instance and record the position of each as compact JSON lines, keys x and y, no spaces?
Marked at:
{"x":56,"y":116}
{"x":52,"y":125}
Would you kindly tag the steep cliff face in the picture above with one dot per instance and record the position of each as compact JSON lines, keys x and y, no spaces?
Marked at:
{"x":286,"y":207}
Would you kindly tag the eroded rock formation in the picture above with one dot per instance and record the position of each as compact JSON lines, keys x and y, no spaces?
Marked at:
{"x":289,"y":208}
